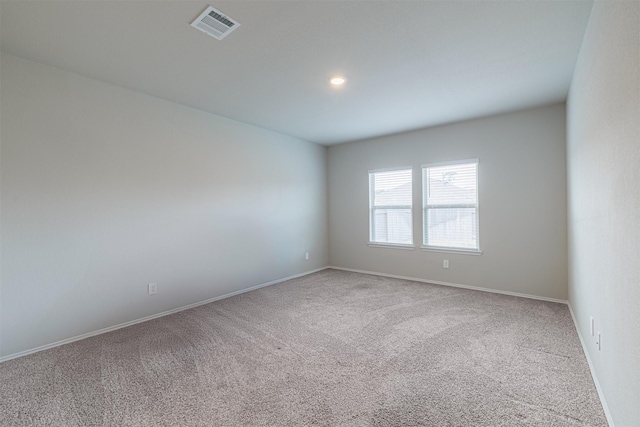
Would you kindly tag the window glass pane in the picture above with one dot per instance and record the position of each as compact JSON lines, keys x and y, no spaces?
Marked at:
{"x":452,"y":184}
{"x":392,"y":226}
{"x":393,"y":188}
{"x":451,"y":228}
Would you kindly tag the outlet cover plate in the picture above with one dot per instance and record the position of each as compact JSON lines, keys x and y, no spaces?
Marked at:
{"x":153,"y":288}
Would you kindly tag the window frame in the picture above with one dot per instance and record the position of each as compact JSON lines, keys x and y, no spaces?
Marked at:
{"x":425,"y":247}
{"x":371,"y":176}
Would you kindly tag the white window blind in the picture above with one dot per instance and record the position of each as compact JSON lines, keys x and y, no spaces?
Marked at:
{"x":450,"y":205}
{"x":390,"y":207}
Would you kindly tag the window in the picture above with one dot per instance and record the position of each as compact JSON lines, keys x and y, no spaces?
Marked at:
{"x":390,"y":207}
{"x":450,"y":206}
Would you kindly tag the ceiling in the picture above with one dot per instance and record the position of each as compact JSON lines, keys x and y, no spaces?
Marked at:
{"x":409,"y":64}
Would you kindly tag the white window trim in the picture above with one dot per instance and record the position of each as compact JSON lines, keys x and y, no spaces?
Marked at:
{"x":399,"y":168}
{"x":405,"y":246}
{"x":451,"y":250}
{"x":392,"y":246}
{"x":474,"y":251}
{"x":450,"y":162}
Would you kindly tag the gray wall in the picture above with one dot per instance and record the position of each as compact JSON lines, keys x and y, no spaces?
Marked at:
{"x":522,"y":197}
{"x":604,"y":201}
{"x":104,"y":190}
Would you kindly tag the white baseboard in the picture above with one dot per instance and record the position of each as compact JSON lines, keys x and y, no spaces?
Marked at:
{"x":153,"y":316}
{"x":605,"y":407}
{"x":455,"y":285}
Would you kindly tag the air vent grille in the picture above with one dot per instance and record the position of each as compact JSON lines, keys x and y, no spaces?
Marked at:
{"x":215,"y":23}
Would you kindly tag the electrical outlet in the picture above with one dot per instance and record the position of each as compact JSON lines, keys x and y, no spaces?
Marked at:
{"x":445,"y":263}
{"x":153,"y":288}
{"x":306,"y":255}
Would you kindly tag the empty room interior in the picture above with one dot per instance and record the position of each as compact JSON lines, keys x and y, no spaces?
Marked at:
{"x":340,"y":213}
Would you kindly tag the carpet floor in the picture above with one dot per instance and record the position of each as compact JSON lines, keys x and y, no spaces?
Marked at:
{"x":332,"y":348}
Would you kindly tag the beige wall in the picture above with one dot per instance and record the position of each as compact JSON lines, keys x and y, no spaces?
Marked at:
{"x":604,"y":201}
{"x":522,"y":196}
{"x":104,"y":190}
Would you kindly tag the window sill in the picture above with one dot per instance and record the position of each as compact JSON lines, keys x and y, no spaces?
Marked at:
{"x":392,"y":246}
{"x":451,"y":250}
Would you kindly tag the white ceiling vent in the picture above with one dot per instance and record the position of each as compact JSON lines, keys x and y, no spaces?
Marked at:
{"x":215,"y":23}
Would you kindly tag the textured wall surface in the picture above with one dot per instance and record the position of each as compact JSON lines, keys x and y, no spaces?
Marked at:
{"x":604,"y":201}
{"x":105,"y":190}
{"x":522,"y":198}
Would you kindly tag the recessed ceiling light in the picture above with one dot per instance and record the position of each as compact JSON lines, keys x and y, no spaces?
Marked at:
{"x":337,"y":80}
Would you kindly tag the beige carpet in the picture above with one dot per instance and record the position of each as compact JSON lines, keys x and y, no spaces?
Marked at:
{"x":329,"y":349}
